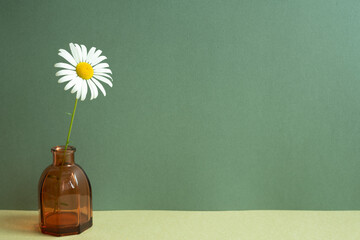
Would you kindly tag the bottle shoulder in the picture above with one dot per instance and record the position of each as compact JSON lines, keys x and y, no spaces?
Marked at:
{"x":66,"y":172}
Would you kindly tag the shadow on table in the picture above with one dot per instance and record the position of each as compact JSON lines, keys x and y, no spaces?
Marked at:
{"x":20,"y":223}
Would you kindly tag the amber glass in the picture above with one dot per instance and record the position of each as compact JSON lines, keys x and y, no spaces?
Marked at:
{"x":64,"y":195}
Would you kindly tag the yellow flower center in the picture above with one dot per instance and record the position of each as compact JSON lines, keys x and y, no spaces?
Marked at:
{"x":84,"y":70}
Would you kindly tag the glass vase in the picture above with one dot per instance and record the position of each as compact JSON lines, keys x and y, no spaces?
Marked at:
{"x":65,"y":200}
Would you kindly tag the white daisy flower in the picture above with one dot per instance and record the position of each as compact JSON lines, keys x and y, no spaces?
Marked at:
{"x":85,"y":70}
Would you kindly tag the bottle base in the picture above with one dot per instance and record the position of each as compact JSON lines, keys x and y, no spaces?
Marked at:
{"x":64,"y":229}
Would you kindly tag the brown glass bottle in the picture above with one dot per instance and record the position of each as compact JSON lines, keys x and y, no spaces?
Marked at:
{"x":64,"y":195}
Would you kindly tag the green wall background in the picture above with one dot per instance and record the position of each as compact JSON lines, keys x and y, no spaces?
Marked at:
{"x":216,"y":105}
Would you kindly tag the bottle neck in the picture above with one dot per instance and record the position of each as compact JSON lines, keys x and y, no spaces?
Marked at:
{"x":62,"y":157}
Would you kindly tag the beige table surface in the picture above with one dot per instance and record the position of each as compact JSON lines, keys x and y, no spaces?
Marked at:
{"x":187,"y":225}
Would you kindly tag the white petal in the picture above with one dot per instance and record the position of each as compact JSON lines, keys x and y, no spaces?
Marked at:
{"x":91,"y":89}
{"x":65,"y":72}
{"x":70,"y":84}
{"x":67,"y":56}
{"x":101,"y":65}
{"x":66,"y":78}
{"x":95,"y":56}
{"x":79,"y":52}
{"x":98,"y":60}
{"x":98,"y":84}
{"x":92,"y":84}
{"x":103,"y":79}
{"x":77,"y":86}
{"x":84,"y":52}
{"x":78,"y":94}
{"x":74,"y":53}
{"x":104,"y":74}
{"x":90,"y":54}
{"x":83,"y":90}
{"x":65,"y":65}
{"x":102,"y":70}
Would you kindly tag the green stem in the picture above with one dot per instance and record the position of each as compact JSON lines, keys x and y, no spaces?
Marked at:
{"x":71,"y":123}
{"x":63,"y":161}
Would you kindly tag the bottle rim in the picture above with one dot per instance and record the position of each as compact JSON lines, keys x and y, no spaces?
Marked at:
{"x":61,"y":148}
